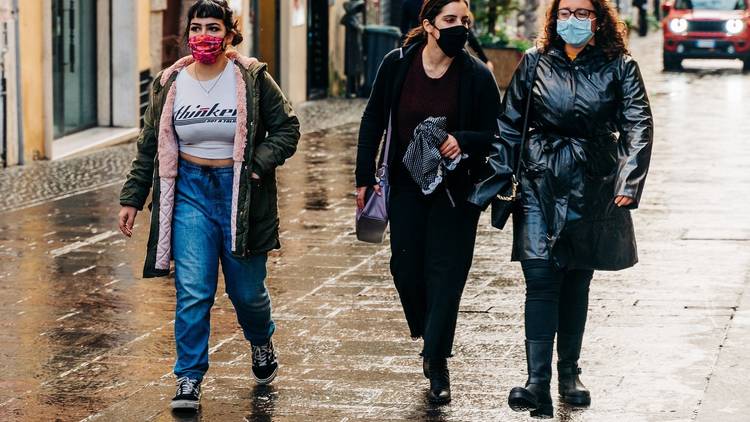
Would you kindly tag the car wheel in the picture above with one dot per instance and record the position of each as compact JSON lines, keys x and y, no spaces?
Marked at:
{"x":672,"y":62}
{"x":746,"y":65}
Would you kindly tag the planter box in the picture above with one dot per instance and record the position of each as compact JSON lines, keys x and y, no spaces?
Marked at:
{"x":505,"y":61}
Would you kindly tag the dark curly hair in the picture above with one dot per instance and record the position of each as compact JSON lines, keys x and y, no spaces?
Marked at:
{"x":217,"y":9}
{"x":609,"y":35}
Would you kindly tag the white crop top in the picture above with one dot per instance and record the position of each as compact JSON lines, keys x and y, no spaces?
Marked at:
{"x":205,"y":122}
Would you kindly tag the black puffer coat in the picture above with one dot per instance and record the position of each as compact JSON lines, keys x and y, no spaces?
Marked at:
{"x":590,"y":140}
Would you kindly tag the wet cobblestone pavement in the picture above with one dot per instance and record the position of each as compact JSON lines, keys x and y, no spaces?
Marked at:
{"x":84,"y":338}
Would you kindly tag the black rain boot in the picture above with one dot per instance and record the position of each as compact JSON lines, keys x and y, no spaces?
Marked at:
{"x":572,"y":391}
{"x":436,"y":369}
{"x":535,"y":396}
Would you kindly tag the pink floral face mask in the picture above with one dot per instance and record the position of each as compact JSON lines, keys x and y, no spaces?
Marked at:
{"x":206,"y":48}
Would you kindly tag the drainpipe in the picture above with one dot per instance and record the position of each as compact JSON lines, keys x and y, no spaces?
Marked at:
{"x":3,"y":96}
{"x":3,"y":92}
{"x":19,"y":103}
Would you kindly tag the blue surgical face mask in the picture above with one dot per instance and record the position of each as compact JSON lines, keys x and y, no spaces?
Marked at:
{"x":574,"y":31}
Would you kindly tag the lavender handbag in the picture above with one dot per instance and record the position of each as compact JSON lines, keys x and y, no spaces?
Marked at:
{"x":372,"y":220}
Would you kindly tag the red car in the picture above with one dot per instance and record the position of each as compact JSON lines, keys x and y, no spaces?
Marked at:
{"x":706,"y":29}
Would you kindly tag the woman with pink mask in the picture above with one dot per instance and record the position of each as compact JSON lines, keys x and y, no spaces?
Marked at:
{"x":216,"y":128}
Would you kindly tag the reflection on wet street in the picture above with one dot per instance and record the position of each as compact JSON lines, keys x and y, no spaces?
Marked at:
{"x":84,"y":337}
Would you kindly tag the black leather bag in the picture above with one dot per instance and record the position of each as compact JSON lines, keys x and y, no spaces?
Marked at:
{"x":504,"y":203}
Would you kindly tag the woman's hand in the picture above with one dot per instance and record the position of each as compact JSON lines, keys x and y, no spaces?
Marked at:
{"x":623,"y":201}
{"x":254,"y":176}
{"x":126,"y":219}
{"x":450,"y":148}
{"x":362,"y":191}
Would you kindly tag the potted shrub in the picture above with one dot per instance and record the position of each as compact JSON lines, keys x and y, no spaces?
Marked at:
{"x":503,"y":47}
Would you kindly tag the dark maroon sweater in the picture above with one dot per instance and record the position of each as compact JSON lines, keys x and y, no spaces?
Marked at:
{"x":423,"y":97}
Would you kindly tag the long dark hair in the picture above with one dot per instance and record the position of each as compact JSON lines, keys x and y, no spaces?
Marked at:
{"x":609,"y":36}
{"x":430,"y":10}
{"x":217,"y":9}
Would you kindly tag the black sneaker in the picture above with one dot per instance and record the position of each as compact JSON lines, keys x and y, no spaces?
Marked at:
{"x":188,"y":395}
{"x":265,"y":364}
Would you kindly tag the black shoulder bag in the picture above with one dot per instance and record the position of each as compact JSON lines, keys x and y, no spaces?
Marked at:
{"x":504,"y":202}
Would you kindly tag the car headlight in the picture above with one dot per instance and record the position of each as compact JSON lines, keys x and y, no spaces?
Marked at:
{"x":678,"y":26}
{"x":735,"y":26}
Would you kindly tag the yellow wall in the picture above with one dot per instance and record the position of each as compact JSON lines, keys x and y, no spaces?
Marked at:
{"x":144,"y":28}
{"x":31,"y":57}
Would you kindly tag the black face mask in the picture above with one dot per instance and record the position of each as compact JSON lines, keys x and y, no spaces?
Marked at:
{"x":453,"y":39}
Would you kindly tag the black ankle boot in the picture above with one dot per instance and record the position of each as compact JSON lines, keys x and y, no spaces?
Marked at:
{"x":436,"y":369}
{"x":572,"y":390}
{"x":535,"y":396}
{"x":426,"y":367}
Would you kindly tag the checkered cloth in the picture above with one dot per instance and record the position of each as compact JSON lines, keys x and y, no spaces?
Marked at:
{"x":423,"y":160}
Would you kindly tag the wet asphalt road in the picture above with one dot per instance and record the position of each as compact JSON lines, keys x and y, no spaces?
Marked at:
{"x":84,"y":337}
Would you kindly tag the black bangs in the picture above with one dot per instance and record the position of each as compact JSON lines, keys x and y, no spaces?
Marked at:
{"x":207,"y":9}
{"x":217,"y":9}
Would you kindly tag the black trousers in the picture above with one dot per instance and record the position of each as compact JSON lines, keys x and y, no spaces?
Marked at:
{"x":432,"y":245}
{"x":556,"y":300}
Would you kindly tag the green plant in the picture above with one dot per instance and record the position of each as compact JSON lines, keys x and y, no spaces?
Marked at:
{"x":490,"y":23}
{"x":496,"y":40}
{"x":489,"y":13}
{"x":629,"y":24}
{"x":520,"y":44}
{"x":653,"y":23}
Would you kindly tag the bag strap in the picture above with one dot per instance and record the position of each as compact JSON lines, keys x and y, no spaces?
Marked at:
{"x":388,"y":142}
{"x":384,"y":164}
{"x":383,"y":170}
{"x":529,"y":97}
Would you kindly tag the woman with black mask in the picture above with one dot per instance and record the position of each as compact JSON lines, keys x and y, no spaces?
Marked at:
{"x":410,"y":18}
{"x":431,"y":88}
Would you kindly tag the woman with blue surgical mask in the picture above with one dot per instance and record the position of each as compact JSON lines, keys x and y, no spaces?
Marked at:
{"x":578,"y":112}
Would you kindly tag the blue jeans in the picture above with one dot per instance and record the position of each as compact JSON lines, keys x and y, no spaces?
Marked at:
{"x":201,"y":237}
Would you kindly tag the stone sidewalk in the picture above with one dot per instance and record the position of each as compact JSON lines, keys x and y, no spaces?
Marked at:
{"x":84,"y":338}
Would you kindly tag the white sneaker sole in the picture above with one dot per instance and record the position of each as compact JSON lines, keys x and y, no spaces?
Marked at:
{"x":185,"y":405}
{"x":267,"y":380}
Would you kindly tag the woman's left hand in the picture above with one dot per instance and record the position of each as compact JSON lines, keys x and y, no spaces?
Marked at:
{"x":450,"y":148}
{"x":255,"y":176}
{"x":623,"y":201}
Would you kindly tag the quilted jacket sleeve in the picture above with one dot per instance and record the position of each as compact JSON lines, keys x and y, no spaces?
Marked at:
{"x":140,"y":177}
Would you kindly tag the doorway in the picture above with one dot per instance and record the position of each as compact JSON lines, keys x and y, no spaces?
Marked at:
{"x":267,"y":35}
{"x":74,"y":60}
{"x":317,"y":49}
{"x":171,"y":36}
